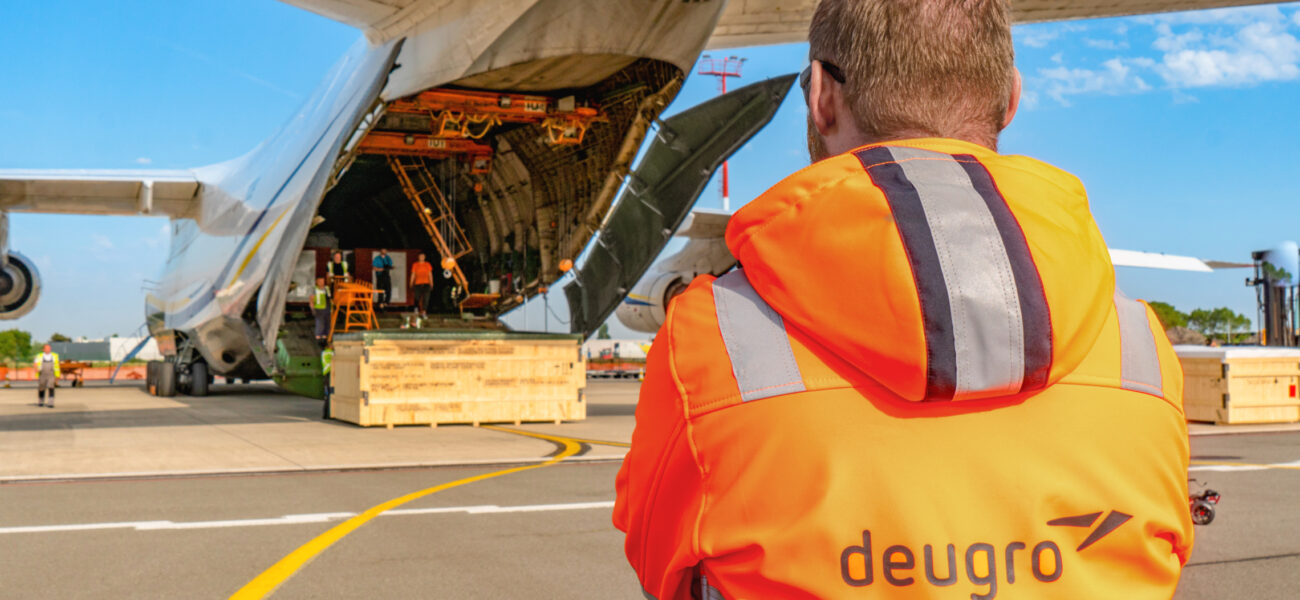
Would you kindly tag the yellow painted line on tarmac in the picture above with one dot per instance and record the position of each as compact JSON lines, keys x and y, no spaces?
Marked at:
{"x":557,"y":438}
{"x":266,"y":583}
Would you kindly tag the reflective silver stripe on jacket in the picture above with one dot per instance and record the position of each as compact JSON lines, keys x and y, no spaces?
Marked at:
{"x":986,"y":320}
{"x":756,"y":340}
{"x":708,"y":592}
{"x":1139,"y":359}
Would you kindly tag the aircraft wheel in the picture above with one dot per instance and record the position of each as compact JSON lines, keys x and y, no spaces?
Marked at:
{"x":1202,"y":512}
{"x":151,"y":377}
{"x":165,"y":383}
{"x":199,"y":379}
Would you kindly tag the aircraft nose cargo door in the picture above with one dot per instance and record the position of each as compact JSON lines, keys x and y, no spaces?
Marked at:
{"x":686,"y":150}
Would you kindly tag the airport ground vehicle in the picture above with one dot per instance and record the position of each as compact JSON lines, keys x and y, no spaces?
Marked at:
{"x":608,"y":359}
{"x":1203,"y":505}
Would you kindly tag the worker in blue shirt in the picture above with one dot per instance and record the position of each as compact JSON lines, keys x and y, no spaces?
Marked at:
{"x":383,"y":265}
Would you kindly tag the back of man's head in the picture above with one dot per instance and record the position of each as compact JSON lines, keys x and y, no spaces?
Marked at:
{"x":920,"y":68}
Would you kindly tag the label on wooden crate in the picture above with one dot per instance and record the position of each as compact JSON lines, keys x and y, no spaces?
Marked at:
{"x":424,"y":379}
{"x":396,"y":381}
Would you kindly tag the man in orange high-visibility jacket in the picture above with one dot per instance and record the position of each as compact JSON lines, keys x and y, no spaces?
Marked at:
{"x":923,"y":383}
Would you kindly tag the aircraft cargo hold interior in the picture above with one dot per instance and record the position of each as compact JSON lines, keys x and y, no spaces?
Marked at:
{"x":507,"y":185}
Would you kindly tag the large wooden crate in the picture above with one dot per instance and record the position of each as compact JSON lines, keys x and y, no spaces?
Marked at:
{"x":426,"y":378}
{"x":1240,"y":385}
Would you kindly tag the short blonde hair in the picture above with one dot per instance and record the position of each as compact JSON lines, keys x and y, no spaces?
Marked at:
{"x":942,"y":68}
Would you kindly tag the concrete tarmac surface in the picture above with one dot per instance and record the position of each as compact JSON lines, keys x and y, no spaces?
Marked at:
{"x":121,"y":430}
{"x":539,"y":533}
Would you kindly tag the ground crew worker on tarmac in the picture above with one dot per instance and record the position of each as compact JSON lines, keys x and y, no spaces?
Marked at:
{"x":320,"y":309}
{"x":979,"y":411}
{"x":47,"y":375}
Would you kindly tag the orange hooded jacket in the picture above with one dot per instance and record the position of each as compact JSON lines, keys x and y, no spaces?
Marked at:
{"x":921,"y":384}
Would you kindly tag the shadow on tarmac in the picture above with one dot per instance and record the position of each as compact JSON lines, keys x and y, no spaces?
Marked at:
{"x":233,"y":404}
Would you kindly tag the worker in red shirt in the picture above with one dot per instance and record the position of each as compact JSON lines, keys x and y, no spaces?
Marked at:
{"x":421,"y":282}
{"x":923,"y":383}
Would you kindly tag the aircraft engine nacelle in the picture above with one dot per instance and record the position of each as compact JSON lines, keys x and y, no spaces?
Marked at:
{"x":647,"y":306}
{"x":20,"y":286}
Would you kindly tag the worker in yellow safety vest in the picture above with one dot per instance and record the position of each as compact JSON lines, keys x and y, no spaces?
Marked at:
{"x":47,"y":375}
{"x":338,"y":268}
{"x":320,"y":308}
{"x":326,"y":365}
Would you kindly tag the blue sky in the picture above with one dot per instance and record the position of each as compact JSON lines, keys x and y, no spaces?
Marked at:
{"x":1183,"y":127}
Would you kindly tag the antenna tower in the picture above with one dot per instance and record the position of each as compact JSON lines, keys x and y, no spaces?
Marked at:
{"x":722,"y":68}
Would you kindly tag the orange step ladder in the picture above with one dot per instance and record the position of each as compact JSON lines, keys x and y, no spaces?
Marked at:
{"x":356,"y":300}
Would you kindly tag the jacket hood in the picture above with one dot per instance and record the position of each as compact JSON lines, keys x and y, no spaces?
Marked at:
{"x":938,"y":268}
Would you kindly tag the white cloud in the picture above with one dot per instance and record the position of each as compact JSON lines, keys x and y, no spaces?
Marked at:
{"x":1259,"y":52}
{"x":1106,"y":44}
{"x":1217,"y":48}
{"x":1039,"y":36}
{"x":1219,"y":16}
{"x":1116,"y":76}
{"x":1029,"y":99}
{"x":160,"y":239}
{"x":144,"y":160}
{"x":1168,"y":41}
{"x":100,"y":242}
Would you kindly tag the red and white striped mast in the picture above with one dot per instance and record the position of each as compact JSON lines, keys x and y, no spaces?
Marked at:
{"x":722,"y":68}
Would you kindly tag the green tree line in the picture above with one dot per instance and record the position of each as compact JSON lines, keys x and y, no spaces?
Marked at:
{"x":17,"y":346}
{"x":1217,"y":323}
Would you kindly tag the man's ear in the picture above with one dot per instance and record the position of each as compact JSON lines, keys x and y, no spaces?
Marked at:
{"x":822,"y":101}
{"x":1013,"y":104}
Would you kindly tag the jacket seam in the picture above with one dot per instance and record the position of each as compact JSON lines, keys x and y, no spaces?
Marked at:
{"x":689,"y":431}
{"x":661,"y":463}
{"x":1078,"y":380}
{"x":1109,"y":383}
{"x":737,"y":399}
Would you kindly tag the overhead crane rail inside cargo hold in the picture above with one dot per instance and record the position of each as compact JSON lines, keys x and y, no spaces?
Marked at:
{"x":457,"y":119}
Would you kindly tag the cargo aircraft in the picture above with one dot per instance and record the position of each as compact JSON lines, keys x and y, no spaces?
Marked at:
{"x":498,"y":133}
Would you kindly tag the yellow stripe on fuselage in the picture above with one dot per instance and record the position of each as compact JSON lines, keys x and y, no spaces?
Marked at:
{"x":251,"y":253}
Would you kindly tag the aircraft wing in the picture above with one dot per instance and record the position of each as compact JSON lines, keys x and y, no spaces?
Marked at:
{"x":758,"y":22}
{"x":172,"y":194}
{"x":1170,"y":262}
{"x":704,"y":223}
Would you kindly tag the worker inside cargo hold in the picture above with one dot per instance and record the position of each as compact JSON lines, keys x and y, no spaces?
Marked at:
{"x":338,"y":268}
{"x":320,"y":309}
{"x":421,"y":283}
{"x":383,"y":267}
